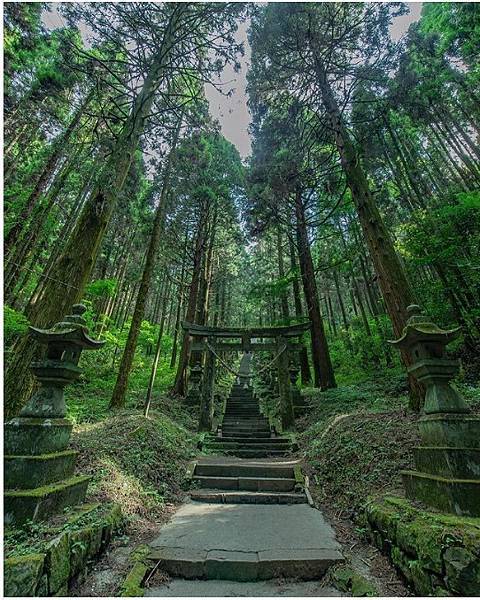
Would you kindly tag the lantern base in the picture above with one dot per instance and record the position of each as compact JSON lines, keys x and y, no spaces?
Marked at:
{"x":453,"y":430}
{"x":456,"y":463}
{"x":27,"y":435}
{"x":26,"y":472}
{"x":458,"y":496}
{"x":43,"y":502}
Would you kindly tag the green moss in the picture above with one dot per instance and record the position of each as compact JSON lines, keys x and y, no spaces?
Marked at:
{"x":362,"y":587}
{"x":132,"y":586}
{"x":422,"y":581}
{"x":58,"y":562}
{"x":46,"y":490}
{"x":22,"y":574}
{"x":433,"y":551}
{"x":347,"y":579}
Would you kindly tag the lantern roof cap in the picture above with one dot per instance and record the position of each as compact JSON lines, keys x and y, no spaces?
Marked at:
{"x":420,"y":328}
{"x":72,"y":330}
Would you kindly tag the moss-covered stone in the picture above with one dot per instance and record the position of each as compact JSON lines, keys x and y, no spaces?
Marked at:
{"x":450,"y":430}
{"x":58,"y":562}
{"x":401,"y":561}
{"x":132,"y":585}
{"x":422,"y":540}
{"x":36,"y":436}
{"x":347,"y":579}
{"x":462,"y":570}
{"x":428,"y":545}
{"x":73,"y":542}
{"x":40,"y":503}
{"x":80,"y":542}
{"x":342,"y":577}
{"x":361,"y":587}
{"x":457,"y":496}
{"x":27,"y":472}
{"x":22,"y":574}
{"x":114,"y":523}
{"x":421,"y":579}
{"x":457,"y":463}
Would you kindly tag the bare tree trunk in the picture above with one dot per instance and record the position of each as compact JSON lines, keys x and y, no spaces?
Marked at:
{"x":395,"y":286}
{"x":322,"y":365}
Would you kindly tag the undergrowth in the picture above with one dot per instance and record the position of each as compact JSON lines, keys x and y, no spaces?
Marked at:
{"x":357,"y":438}
{"x":137,"y":462}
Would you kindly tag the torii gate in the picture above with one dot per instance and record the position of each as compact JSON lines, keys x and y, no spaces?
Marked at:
{"x":212,"y":340}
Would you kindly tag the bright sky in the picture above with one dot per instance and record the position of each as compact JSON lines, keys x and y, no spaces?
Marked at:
{"x":233,"y":112}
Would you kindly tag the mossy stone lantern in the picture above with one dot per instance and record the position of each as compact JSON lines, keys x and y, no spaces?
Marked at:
{"x":193,"y":396}
{"x":39,"y":469}
{"x":65,"y":342}
{"x":448,"y":462}
{"x":426,"y":344}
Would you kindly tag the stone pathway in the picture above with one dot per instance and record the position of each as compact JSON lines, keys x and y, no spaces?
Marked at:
{"x":249,"y":524}
{"x":215,"y":588}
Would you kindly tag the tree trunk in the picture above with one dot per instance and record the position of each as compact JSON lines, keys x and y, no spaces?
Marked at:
{"x":158,"y":349}
{"x":71,"y":272}
{"x":180,"y":386}
{"x":120,"y":389}
{"x":394,"y":284}
{"x":305,"y":374}
{"x":322,"y":365}
{"x":58,"y":149}
{"x":281,"y":274}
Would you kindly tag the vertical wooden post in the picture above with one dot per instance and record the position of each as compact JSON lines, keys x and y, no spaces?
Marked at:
{"x":286,"y":406}
{"x":206,"y":401}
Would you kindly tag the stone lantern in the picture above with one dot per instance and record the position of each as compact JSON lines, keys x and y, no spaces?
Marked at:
{"x":193,"y":396}
{"x":298,"y":400}
{"x":448,"y":461}
{"x":38,"y":467}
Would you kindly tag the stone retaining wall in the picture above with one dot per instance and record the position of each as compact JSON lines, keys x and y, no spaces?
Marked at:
{"x":439,"y":555}
{"x":64,"y":555}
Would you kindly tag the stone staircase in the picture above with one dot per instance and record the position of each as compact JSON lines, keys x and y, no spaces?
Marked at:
{"x":244,"y":431}
{"x":246,"y":437}
{"x":250,"y":519}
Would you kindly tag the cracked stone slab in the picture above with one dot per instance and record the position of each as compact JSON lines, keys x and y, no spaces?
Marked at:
{"x":247,"y":542}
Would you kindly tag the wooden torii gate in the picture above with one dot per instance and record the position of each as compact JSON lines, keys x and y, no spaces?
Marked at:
{"x":210,"y":341}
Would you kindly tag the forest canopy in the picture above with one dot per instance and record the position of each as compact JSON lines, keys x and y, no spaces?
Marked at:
{"x":361,"y":195}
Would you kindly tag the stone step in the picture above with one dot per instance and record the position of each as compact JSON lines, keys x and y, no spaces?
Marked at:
{"x":266,"y":444}
{"x":245,"y":543}
{"x":239,"y":497}
{"x":251,"y":439}
{"x":250,"y":453}
{"x":246,"y":427}
{"x":253,"y":484}
{"x":247,"y":432}
{"x":225,"y":444}
{"x":245,"y":421}
{"x":242,"y":412}
{"x":244,"y":469}
{"x":246,"y":435}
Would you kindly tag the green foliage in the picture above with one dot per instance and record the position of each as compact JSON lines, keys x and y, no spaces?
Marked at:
{"x":14,"y":324}
{"x":151,"y":468}
{"x":101,"y":288}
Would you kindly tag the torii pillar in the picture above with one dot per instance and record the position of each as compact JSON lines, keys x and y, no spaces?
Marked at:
{"x":286,"y":405}
{"x":207,"y":390}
